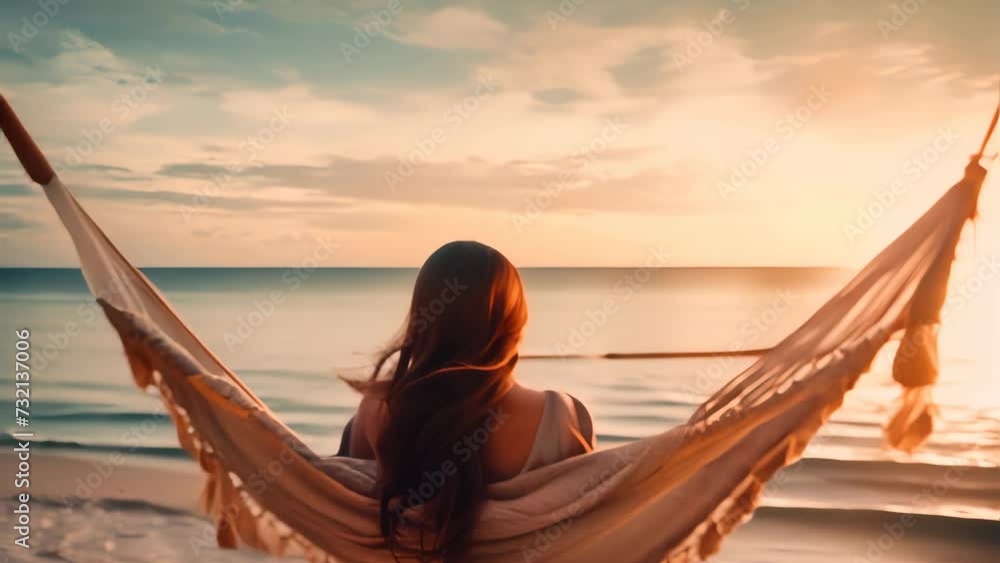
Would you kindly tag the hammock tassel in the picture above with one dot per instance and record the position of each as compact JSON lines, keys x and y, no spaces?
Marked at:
{"x":916,"y":368}
{"x":916,"y":365}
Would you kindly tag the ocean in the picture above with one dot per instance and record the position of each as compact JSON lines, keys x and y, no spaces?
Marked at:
{"x":288,"y":333}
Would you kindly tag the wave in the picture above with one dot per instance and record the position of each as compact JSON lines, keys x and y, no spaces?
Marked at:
{"x":862,"y":521}
{"x":889,"y":472}
{"x":284,"y":373}
{"x":113,"y":417}
{"x":108,"y":504}
{"x":873,"y":522}
{"x":151,"y":451}
{"x":649,"y":355}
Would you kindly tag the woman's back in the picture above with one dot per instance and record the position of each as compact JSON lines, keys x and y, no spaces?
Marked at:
{"x":527,"y":429}
{"x":448,"y":402}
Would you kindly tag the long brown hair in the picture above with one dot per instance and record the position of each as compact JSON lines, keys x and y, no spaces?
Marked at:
{"x":456,"y":353}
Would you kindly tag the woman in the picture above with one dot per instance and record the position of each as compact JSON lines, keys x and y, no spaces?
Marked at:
{"x":449,"y":417}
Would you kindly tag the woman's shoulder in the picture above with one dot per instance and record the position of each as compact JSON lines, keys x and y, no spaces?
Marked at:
{"x":581,"y":416}
{"x":365,"y":427}
{"x":585,"y":423}
{"x":580,"y":421}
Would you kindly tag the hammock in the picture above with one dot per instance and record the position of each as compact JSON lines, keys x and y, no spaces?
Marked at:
{"x":670,"y":497}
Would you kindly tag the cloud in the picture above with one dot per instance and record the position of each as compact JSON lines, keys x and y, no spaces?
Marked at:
{"x":643,"y":71}
{"x":308,"y":10}
{"x":302,"y":102}
{"x":557,"y":96}
{"x":15,"y":190}
{"x":687,"y":127}
{"x":582,"y":186}
{"x":188,"y":203}
{"x":108,"y":168}
{"x":468,"y":183}
{"x":12,"y":222}
{"x":68,"y":93}
{"x":451,"y":28}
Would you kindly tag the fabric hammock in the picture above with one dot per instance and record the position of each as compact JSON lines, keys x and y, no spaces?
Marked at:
{"x":670,"y":497}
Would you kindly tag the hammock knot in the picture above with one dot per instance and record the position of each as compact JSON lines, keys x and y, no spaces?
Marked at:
{"x":916,"y":368}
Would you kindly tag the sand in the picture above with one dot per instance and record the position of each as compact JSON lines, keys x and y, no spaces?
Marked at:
{"x":116,"y":508}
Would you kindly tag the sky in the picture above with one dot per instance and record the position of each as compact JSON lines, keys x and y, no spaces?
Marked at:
{"x":572,"y":133}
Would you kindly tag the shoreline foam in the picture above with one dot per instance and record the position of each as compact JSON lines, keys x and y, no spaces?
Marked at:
{"x":144,"y":509}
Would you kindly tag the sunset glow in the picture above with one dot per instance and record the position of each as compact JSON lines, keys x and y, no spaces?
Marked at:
{"x":733,"y":133}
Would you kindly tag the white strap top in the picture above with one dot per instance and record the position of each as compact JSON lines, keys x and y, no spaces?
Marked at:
{"x":565,"y":431}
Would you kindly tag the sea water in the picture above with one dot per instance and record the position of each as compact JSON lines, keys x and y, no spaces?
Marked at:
{"x":289,"y":333}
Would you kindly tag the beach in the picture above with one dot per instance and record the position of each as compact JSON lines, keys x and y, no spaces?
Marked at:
{"x":109,"y":483}
{"x":145,"y":510}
